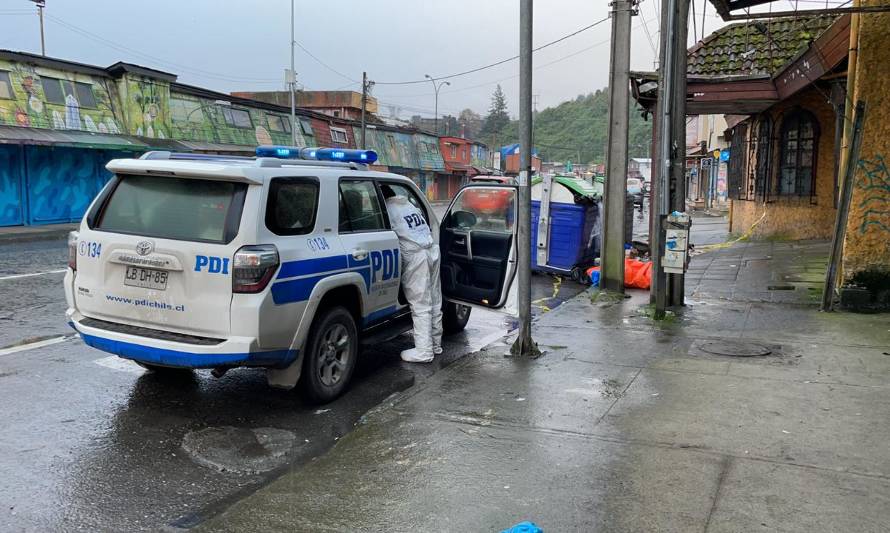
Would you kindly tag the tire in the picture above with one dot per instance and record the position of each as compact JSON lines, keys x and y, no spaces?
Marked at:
{"x":455,"y":317}
{"x":329,"y":361}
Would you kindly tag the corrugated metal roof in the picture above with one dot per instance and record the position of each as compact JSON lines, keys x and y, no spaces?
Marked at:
{"x":20,"y":135}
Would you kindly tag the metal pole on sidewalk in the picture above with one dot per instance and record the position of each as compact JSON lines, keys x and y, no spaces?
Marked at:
{"x":524,"y":345}
{"x":676,"y":285}
{"x":292,"y":78}
{"x":843,"y":211}
{"x":364,"y":105}
{"x":612,"y":253}
{"x":665,"y":119}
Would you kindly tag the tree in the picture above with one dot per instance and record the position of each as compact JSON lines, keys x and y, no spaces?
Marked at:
{"x":497,"y":118}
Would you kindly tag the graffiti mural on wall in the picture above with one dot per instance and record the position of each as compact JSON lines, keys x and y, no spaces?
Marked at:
{"x":202,"y":119}
{"x":148,"y":106}
{"x":875,"y":181}
{"x":428,"y":155}
{"x":480,"y":156}
{"x":43,"y":98}
{"x":10,"y":186}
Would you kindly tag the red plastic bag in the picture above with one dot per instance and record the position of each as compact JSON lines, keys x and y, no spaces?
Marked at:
{"x":637,"y":274}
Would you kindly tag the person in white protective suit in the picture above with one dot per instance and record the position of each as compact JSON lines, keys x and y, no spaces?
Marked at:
{"x":420,"y":276}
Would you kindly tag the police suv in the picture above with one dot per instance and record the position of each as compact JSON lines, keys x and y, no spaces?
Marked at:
{"x":285,"y":261}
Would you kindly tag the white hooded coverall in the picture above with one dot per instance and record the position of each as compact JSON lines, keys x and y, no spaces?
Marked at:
{"x":420,"y":277}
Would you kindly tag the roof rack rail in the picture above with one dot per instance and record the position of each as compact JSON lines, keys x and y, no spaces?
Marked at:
{"x":274,"y":162}
{"x":186,"y":156}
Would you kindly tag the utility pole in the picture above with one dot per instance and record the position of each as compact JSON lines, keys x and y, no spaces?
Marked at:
{"x":612,"y":253}
{"x":524,"y":345}
{"x":292,"y":80}
{"x":663,"y":117}
{"x":40,"y":5}
{"x":366,"y":88}
{"x":678,"y":138}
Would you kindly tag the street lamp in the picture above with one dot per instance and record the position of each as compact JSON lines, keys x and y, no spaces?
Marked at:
{"x":437,"y":86}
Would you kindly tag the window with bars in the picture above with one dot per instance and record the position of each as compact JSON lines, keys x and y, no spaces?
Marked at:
{"x":763,"y":154}
{"x":797,"y":160}
{"x":735,"y":175}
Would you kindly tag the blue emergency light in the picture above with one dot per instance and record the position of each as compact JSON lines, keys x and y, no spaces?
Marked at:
{"x":317,"y":154}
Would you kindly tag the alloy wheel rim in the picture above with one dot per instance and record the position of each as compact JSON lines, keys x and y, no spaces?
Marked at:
{"x":333,"y":355}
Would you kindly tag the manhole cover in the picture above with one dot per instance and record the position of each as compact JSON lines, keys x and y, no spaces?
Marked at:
{"x":239,"y":450}
{"x":735,"y":349}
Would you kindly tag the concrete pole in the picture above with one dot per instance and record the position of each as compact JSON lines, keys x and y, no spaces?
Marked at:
{"x":666,"y":72}
{"x":678,"y":132}
{"x":614,"y":205}
{"x":40,"y":6}
{"x":524,"y":345}
{"x":364,"y":105}
{"x":293,"y":81}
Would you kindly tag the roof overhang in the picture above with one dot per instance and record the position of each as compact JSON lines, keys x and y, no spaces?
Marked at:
{"x":725,"y":9}
{"x":748,"y":95}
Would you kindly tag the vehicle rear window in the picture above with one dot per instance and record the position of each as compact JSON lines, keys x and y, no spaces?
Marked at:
{"x":174,"y":208}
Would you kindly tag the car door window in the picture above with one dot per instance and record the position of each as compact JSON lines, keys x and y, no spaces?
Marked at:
{"x":402,"y":190}
{"x":360,"y":207}
{"x":483,"y":208}
{"x":291,"y":207}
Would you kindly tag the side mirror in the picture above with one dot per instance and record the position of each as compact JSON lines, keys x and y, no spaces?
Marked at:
{"x":463,"y":219}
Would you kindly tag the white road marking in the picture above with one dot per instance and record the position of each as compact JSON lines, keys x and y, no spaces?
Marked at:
{"x":20,"y":276}
{"x":121,"y":365}
{"x":33,"y":345}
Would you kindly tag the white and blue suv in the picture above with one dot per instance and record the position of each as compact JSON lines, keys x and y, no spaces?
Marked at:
{"x":188,"y":261}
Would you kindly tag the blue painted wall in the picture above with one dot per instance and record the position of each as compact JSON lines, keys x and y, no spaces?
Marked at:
{"x":54,"y":185}
{"x":11,"y":186}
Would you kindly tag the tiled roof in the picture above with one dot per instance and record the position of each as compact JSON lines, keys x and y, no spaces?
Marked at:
{"x":755,"y":48}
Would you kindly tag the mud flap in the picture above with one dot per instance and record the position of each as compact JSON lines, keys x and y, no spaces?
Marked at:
{"x":287,"y":377}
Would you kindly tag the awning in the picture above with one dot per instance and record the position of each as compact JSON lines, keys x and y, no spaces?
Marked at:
{"x":457,"y":167}
{"x":78,"y":139}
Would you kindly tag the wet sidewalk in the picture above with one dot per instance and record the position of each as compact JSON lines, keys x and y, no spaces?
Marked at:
{"x":734,"y":416}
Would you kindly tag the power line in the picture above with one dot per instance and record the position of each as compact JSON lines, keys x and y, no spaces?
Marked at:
{"x":488,"y":83}
{"x":184,"y":68}
{"x":325,"y":65}
{"x":646,"y":28}
{"x":496,"y":63}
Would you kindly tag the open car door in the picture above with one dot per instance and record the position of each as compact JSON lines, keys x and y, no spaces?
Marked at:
{"x":477,"y":238}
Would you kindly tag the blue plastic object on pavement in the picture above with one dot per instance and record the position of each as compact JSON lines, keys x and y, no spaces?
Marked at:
{"x":524,"y":527}
{"x":595,"y":278}
{"x":570,"y":229}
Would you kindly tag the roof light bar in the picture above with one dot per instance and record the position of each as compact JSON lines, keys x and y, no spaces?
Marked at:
{"x":317,"y":154}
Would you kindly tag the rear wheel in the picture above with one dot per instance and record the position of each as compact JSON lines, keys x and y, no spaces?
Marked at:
{"x":331,"y":355}
{"x":455,"y":317}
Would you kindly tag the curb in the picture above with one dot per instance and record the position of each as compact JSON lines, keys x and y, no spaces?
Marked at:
{"x":37,"y":235}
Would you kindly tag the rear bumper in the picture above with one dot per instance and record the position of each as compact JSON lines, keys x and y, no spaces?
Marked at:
{"x":236,"y":351}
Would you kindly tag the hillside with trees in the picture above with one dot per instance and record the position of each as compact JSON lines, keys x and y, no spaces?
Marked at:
{"x":572,"y":130}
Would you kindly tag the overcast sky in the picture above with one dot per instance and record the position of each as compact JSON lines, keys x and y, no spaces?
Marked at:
{"x":230,"y":45}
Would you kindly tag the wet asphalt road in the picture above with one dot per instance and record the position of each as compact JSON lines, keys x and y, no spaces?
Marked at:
{"x":91,"y":442}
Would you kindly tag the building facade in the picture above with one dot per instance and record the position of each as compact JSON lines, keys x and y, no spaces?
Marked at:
{"x":62,"y":121}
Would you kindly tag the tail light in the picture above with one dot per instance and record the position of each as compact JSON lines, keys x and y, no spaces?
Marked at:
{"x":253,"y":268}
{"x":72,"y":250}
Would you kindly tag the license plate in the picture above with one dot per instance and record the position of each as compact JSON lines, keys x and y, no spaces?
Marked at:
{"x":146,"y":278}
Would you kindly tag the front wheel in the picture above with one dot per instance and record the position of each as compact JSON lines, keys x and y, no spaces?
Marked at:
{"x":331,"y":355}
{"x":455,"y":317}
